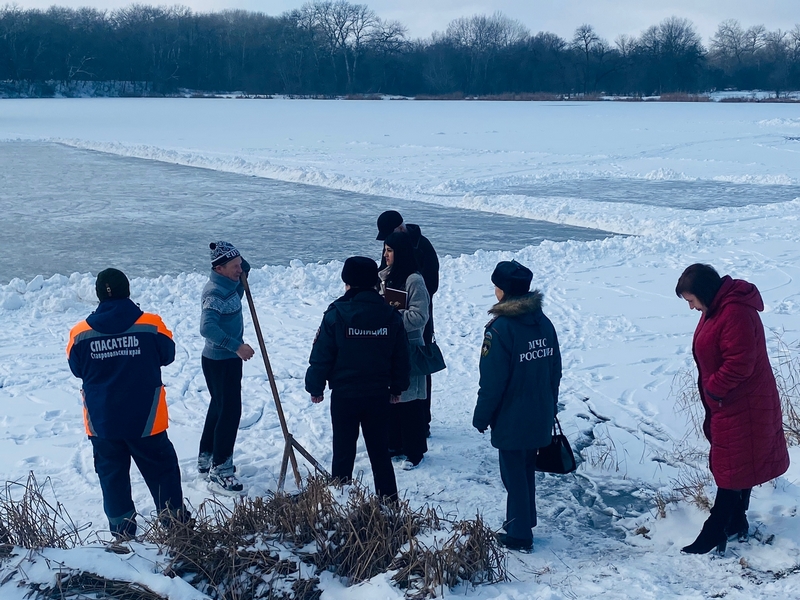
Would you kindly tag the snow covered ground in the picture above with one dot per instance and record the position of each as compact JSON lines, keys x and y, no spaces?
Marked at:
{"x":624,"y":334}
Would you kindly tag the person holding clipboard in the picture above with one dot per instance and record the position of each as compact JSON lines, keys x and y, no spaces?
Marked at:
{"x":404,"y":288}
{"x":428,"y":265}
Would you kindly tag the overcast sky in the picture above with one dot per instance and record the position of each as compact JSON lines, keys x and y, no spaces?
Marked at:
{"x":610,"y":18}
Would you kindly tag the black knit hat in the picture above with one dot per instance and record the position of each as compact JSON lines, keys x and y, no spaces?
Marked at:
{"x":222,"y":252}
{"x":360,"y":272}
{"x":112,"y":284}
{"x":387,"y":223}
{"x":513,"y":278}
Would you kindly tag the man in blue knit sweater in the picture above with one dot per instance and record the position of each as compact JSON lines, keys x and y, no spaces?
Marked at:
{"x":222,"y":327}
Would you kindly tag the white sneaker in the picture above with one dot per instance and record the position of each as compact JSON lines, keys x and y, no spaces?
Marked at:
{"x":222,"y":479}
{"x":224,"y":484}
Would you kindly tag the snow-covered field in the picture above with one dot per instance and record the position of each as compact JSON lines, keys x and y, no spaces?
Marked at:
{"x":624,"y":334}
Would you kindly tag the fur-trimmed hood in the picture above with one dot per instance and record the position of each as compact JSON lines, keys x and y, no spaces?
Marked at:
{"x":517,"y":306}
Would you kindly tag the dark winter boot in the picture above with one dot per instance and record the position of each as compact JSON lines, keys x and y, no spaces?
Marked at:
{"x":713,"y":533}
{"x":739,"y":528}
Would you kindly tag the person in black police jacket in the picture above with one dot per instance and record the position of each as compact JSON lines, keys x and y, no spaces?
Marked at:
{"x":428,"y":262}
{"x":520,"y":372}
{"x":361,"y":350}
{"x":118,"y":352}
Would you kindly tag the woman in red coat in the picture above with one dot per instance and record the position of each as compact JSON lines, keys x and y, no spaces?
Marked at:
{"x":743,"y":419}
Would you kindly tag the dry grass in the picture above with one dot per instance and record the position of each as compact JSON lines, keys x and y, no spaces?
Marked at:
{"x":681,"y":97}
{"x":234,"y":553}
{"x":29,"y":520}
{"x":786,"y":368}
{"x":271,"y":548}
{"x":747,"y":99}
{"x":363,"y":97}
{"x":687,"y":399}
{"x":691,"y":486}
{"x":453,"y":96}
{"x":602,"y":454}
{"x":82,"y":585}
{"x":467,"y":553}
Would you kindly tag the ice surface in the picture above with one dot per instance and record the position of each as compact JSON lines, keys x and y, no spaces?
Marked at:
{"x":658,"y":189}
{"x":73,"y":210}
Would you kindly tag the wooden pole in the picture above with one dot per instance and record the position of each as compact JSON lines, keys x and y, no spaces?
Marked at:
{"x":284,"y":465}
{"x":286,"y":435}
{"x":308,"y":457}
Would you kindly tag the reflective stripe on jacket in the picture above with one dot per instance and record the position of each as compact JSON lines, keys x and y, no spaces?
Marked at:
{"x":118,"y":352}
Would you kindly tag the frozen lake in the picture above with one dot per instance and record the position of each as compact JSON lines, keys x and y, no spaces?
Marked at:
{"x":690,"y":195}
{"x":74,"y":210}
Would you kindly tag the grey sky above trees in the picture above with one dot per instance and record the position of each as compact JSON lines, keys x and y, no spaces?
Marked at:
{"x":609,"y":18}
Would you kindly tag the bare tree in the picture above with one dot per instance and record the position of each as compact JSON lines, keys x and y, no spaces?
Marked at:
{"x":674,"y":50}
{"x":730,"y":41}
{"x":347,"y":29}
{"x":584,"y":39}
{"x":481,"y":38}
{"x":626,"y":45}
{"x":486,"y":33}
{"x":587,"y":43}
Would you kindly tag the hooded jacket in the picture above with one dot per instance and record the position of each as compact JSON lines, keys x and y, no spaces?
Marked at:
{"x":361,"y":348}
{"x":743,"y":411}
{"x":118,"y":352}
{"x":426,"y":257}
{"x":520,"y":373}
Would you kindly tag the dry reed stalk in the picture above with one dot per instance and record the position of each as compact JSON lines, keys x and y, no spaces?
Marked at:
{"x":787,"y":378}
{"x":31,"y":521}
{"x":232,"y":553}
{"x":81,"y":585}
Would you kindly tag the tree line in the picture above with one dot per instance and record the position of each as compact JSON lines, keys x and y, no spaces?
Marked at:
{"x":334,"y":47}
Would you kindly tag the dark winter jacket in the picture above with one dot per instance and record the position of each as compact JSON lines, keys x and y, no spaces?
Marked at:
{"x":361,"y":348}
{"x":520,"y":372}
{"x":427,"y":260}
{"x":743,"y":411}
{"x":118,"y":352}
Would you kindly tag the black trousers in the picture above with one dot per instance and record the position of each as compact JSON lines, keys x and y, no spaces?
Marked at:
{"x":371,"y":413}
{"x":518,"y":472}
{"x":224,"y":381}
{"x":408,"y":430}
{"x":157,"y":462}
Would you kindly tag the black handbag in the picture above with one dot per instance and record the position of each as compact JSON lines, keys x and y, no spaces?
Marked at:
{"x":558,"y":456}
{"x":426,"y":359}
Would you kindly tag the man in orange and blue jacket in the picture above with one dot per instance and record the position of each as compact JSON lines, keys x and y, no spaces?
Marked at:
{"x":118,"y":352}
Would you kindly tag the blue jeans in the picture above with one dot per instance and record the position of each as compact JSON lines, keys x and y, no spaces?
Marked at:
{"x":157,"y":462}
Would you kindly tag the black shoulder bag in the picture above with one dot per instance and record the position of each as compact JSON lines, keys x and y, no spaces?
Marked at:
{"x":558,"y":457}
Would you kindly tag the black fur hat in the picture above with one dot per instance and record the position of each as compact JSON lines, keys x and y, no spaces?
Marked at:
{"x":360,"y":272}
{"x":513,"y":278}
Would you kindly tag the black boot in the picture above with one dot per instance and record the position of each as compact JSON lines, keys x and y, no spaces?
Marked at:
{"x":713,"y":533}
{"x":739,"y":528}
